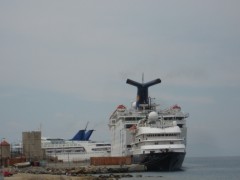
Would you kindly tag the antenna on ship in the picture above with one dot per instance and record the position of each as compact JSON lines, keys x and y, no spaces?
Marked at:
{"x":142,"y":78}
{"x":86,"y":126}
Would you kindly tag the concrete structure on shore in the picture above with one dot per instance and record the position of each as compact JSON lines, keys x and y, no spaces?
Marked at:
{"x":32,"y":145}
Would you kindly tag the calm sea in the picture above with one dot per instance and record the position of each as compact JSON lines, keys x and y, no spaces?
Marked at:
{"x":199,"y":169}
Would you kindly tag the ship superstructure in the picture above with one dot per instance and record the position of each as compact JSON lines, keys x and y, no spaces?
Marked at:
{"x":152,"y":136}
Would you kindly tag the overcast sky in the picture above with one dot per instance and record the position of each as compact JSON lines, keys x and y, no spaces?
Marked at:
{"x":64,"y":63}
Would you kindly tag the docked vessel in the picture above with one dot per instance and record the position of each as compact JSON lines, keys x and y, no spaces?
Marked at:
{"x":79,"y":148}
{"x":152,"y":136}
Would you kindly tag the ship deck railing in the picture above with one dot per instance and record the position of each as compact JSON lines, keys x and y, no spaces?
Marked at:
{"x":158,"y":140}
{"x":167,"y":146}
{"x":156,"y":126}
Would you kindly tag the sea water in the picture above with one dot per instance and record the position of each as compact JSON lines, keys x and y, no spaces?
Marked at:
{"x":199,"y":168}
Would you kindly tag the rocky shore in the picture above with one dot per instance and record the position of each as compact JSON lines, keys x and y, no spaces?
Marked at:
{"x":87,"y":172}
{"x":23,"y":176}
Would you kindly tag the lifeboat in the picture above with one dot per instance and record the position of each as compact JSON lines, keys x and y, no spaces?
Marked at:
{"x":175,"y":108}
{"x":121,"y":108}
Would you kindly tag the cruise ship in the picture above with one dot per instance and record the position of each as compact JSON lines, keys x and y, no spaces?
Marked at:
{"x":79,"y":148}
{"x":152,"y":136}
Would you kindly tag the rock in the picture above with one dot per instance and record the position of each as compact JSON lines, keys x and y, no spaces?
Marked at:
{"x":126,"y":175}
{"x":137,"y":168}
{"x":138,"y":175}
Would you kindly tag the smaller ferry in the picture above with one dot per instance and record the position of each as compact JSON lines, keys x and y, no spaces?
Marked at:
{"x":79,"y":148}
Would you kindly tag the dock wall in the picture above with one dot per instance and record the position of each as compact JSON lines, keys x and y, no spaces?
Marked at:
{"x":97,"y":161}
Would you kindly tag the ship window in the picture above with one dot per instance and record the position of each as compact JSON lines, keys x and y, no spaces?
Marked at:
{"x":168,"y":118}
{"x":179,"y":118}
{"x":128,"y":126}
{"x":102,"y":144}
{"x":180,"y":125}
{"x":129,"y":118}
{"x":79,"y":151}
{"x":132,"y":118}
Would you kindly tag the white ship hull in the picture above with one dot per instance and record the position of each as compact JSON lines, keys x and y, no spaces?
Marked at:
{"x":77,"y":157}
{"x":170,"y":161}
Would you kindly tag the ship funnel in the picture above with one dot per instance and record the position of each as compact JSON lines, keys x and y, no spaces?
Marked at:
{"x":142,"y":93}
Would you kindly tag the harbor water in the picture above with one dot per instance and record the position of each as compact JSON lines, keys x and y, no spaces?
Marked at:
{"x":199,"y":168}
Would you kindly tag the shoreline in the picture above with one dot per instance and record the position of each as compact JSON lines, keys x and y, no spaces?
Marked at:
{"x":74,"y":173}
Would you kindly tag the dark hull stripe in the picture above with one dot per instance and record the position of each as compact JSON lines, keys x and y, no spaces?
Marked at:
{"x":170,"y":161}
